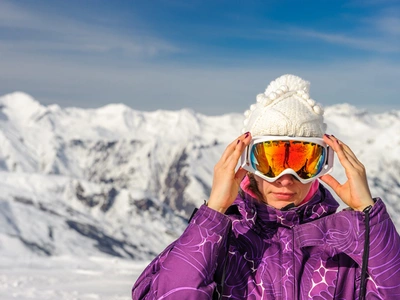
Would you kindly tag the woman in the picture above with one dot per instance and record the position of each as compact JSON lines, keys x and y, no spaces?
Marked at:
{"x":270,"y":230}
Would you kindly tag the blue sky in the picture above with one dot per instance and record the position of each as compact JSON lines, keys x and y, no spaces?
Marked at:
{"x":211,"y":56}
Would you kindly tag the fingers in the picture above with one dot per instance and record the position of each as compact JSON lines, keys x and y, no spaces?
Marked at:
{"x":339,"y":146}
{"x":235,"y":149}
{"x":355,"y":191}
{"x":240,"y":173}
{"x":348,"y":152}
{"x":346,"y":156}
{"x":331,"y":181}
{"x":226,"y":180}
{"x":226,"y":166}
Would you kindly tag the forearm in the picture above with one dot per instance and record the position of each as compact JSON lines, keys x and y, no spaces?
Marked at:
{"x":384,"y":249}
{"x":384,"y":253}
{"x":187,"y":268}
{"x":344,"y":233}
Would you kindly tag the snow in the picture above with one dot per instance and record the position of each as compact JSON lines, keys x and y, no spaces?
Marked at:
{"x":67,"y":277}
{"x":89,"y":196}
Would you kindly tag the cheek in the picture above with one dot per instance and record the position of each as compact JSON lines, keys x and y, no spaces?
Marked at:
{"x":264,"y":186}
{"x":304,"y":189}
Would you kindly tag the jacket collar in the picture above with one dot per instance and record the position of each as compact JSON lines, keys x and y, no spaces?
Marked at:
{"x":261,"y":216}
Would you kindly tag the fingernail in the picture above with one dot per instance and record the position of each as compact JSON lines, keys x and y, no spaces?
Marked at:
{"x":247,"y":134}
{"x":327,"y":135}
{"x":238,"y":142}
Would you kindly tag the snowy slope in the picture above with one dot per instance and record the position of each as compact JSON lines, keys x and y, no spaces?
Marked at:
{"x":107,"y":181}
{"x":375,"y":139}
{"x":68,"y":278}
{"x":120,"y":182}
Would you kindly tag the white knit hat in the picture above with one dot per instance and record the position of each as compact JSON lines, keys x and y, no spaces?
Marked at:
{"x":285,"y":109}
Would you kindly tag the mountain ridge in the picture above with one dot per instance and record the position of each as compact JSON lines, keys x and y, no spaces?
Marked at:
{"x":116,"y":181}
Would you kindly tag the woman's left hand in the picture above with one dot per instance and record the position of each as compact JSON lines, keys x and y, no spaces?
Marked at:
{"x":355,"y":191}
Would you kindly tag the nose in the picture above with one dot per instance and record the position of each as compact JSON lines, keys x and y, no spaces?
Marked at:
{"x":286,"y":180}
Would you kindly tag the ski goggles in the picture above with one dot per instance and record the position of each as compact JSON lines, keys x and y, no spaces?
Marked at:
{"x":271,"y":157}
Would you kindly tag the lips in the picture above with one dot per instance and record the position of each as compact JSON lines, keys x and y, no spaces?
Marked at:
{"x":283,"y":196}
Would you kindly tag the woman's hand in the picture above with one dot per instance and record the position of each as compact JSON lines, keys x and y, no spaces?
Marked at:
{"x":355,"y":191}
{"x":226,"y":181}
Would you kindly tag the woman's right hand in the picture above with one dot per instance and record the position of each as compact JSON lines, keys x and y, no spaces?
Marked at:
{"x":226,"y":181}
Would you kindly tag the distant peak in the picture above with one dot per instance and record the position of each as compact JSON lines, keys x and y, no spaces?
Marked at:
{"x":18,"y":98}
{"x":22,"y":104}
{"x":114,"y":107}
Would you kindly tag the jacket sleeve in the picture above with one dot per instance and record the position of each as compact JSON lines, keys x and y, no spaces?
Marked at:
{"x":185,"y":269}
{"x":345,"y":232}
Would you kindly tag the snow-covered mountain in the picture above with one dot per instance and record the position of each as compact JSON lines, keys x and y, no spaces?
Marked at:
{"x":116,"y":181}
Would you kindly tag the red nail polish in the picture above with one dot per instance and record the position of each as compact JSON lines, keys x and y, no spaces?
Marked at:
{"x":238,"y":142}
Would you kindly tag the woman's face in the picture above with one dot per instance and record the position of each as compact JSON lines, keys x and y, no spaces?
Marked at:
{"x":286,"y":190}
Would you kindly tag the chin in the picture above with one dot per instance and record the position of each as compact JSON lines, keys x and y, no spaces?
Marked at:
{"x":281,"y":204}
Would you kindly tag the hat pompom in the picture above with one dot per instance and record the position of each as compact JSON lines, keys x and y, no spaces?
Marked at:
{"x":292,"y":83}
{"x":286,"y":109}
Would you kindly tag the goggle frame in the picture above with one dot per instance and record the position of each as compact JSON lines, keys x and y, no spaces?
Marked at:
{"x":327,"y":167}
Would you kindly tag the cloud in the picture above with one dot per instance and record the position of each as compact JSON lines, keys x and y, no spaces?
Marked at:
{"x":14,"y":16}
{"x":374,"y":42}
{"x":371,"y":44}
{"x":44,"y":33}
{"x":388,"y":25}
{"x":207,"y":89}
{"x":108,"y":66}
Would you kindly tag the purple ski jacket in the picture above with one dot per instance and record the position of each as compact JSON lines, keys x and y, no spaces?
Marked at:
{"x":306,"y":252}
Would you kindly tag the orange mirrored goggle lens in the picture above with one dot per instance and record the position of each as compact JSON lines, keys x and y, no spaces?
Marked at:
{"x":273,"y":157}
